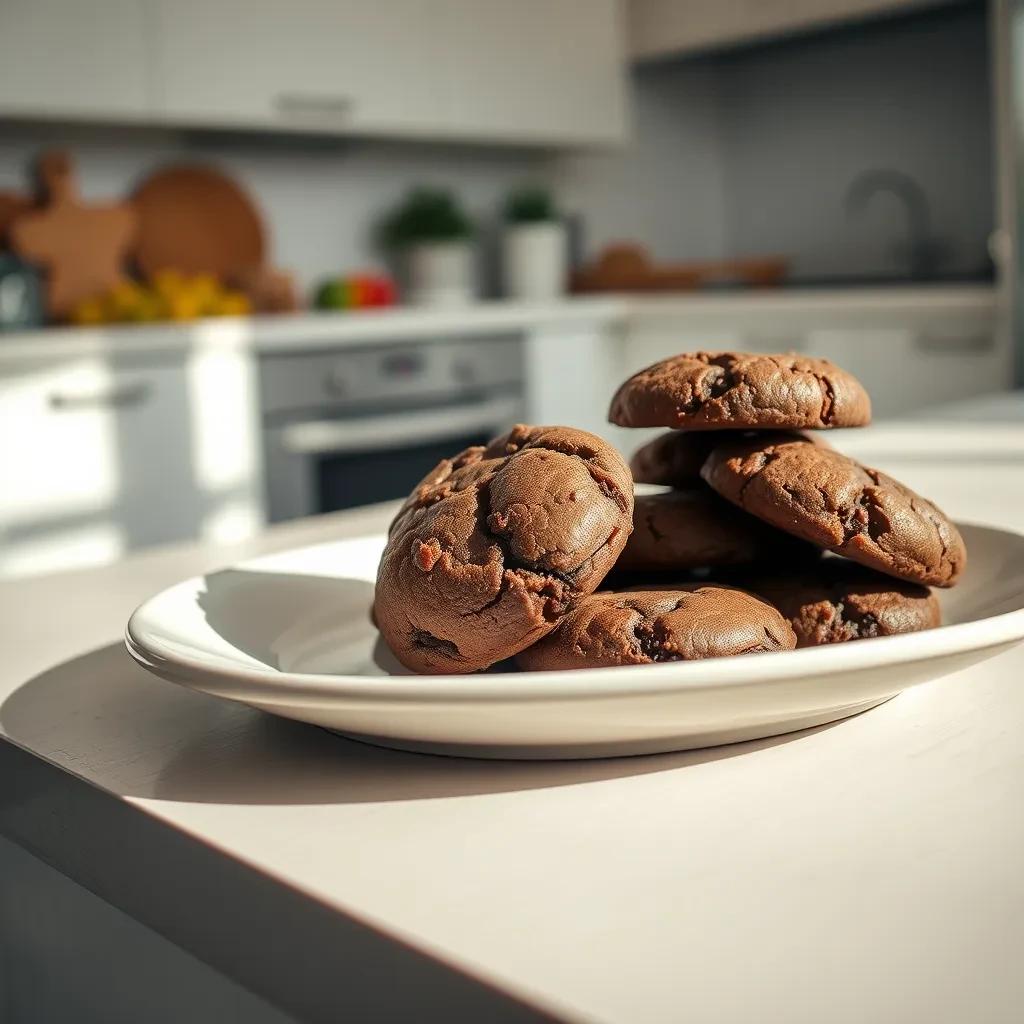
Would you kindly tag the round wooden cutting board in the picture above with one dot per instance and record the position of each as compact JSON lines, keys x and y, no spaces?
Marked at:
{"x":196,"y":220}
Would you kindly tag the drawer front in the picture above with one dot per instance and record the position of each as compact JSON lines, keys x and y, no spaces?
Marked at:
{"x":95,"y":461}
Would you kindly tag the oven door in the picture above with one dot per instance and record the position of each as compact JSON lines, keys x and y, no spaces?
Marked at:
{"x":321,"y":465}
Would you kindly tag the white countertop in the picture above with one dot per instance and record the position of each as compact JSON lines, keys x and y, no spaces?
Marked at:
{"x":869,"y":870}
{"x":826,"y":308}
{"x":309,"y":330}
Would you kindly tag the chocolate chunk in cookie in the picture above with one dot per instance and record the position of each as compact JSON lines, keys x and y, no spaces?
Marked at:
{"x":496,"y":544}
{"x":644,"y":627}
{"x":741,"y":391}
{"x":693,"y":528}
{"x":829,"y":499}
{"x":675,"y":458}
{"x":839,"y":601}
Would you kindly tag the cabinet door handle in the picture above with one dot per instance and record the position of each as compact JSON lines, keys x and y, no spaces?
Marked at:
{"x":953,"y":343}
{"x":117,"y":396}
{"x":313,"y":105}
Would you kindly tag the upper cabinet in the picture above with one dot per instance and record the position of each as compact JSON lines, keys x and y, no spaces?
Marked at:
{"x":662,"y":28}
{"x":66,"y":59}
{"x":529,"y":71}
{"x":550,"y":72}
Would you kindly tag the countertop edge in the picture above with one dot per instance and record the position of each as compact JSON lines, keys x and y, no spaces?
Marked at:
{"x":88,"y":842}
{"x":269,"y":334}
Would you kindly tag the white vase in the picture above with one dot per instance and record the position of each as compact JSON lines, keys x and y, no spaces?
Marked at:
{"x":535,"y":260}
{"x":440,"y":273}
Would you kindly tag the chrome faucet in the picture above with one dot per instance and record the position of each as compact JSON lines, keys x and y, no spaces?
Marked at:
{"x":922,"y":252}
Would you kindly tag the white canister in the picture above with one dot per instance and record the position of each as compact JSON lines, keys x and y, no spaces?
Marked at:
{"x":535,"y":260}
{"x":440,"y":273}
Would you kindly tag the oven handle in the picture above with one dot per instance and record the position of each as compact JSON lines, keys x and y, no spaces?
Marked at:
{"x":373,"y":433}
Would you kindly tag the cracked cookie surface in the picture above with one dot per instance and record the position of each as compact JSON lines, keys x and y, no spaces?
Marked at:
{"x":495,"y":545}
{"x":693,"y":528}
{"x":831,"y":500}
{"x":839,"y":601}
{"x":686,"y":623}
{"x":741,"y":390}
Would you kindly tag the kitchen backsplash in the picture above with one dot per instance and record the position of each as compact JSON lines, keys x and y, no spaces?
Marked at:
{"x":753,"y":151}
{"x":717,"y":165}
{"x":801,"y":119}
{"x":320,"y":199}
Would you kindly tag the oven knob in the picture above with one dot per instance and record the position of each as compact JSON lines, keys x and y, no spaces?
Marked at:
{"x":464,"y":371}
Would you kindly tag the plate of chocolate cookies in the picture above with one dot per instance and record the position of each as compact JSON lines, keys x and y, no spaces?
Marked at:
{"x":540,"y":597}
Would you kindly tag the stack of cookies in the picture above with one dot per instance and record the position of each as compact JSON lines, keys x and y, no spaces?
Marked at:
{"x":501,"y":551}
{"x":747,"y":450}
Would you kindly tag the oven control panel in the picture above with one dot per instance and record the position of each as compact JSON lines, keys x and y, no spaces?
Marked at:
{"x":420,"y":371}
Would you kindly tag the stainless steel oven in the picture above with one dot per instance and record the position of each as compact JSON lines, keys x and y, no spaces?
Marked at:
{"x":364,"y":424}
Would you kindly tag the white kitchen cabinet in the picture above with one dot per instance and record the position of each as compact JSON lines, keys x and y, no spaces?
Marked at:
{"x":68,"y":58}
{"x":660,"y":28}
{"x":102,"y":456}
{"x":905,"y":370}
{"x":531,"y":71}
{"x":534,"y":71}
{"x":571,"y":372}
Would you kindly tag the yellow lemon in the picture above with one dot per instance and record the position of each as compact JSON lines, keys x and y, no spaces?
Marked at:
{"x":168,"y":282}
{"x":183,"y":307}
{"x":205,"y":287}
{"x":88,"y":313}
{"x":150,"y":307}
{"x":122,"y":300}
{"x":232,"y":304}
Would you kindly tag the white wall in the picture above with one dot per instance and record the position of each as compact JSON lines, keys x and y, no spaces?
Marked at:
{"x":667,"y":188}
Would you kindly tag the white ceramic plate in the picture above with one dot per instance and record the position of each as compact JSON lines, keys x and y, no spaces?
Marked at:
{"x":291,"y":634}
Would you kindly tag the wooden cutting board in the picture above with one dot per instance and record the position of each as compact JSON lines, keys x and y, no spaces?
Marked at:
{"x":196,"y":220}
{"x":81,"y":247}
{"x":627,"y":267}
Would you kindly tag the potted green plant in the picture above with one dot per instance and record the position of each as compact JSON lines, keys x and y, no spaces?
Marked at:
{"x":534,"y":246}
{"x":432,"y":235}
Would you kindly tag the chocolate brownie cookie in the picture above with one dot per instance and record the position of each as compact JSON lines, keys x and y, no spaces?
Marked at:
{"x":643,"y":627}
{"x":841,"y":601}
{"x":496,"y":544}
{"x":829,"y":499}
{"x":693,"y":528}
{"x":741,"y":391}
{"x":675,"y":458}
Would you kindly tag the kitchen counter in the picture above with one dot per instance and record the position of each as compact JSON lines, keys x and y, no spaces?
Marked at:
{"x":868,"y":870}
{"x":309,"y":330}
{"x":102,"y":400}
{"x":786,"y":309}
{"x":821,"y":308}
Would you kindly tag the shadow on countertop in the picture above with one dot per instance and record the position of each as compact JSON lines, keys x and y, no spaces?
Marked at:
{"x":103,"y":717}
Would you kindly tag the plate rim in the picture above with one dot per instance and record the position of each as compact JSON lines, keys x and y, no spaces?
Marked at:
{"x":274,"y":686}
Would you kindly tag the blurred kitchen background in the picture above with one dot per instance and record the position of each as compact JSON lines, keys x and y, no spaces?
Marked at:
{"x":270,"y":260}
